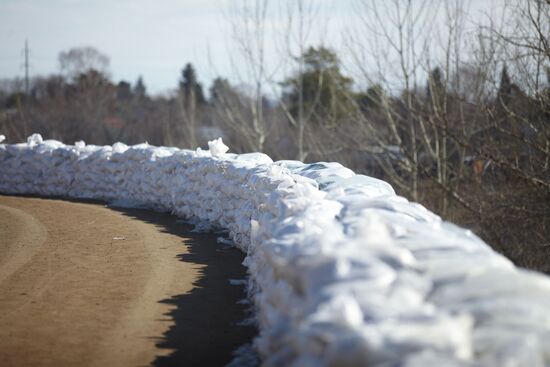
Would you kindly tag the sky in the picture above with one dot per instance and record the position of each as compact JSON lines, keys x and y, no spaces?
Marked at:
{"x":150,"y":38}
{"x":154,"y":39}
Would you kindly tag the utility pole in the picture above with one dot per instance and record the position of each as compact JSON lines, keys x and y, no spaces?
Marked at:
{"x":26,"y":65}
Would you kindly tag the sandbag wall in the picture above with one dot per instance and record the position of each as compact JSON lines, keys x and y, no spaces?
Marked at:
{"x":343,"y":272}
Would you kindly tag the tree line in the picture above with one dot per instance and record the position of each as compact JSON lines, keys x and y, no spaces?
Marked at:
{"x":454,"y":115}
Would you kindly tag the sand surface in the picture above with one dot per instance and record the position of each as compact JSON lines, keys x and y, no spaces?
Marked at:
{"x":86,"y":285}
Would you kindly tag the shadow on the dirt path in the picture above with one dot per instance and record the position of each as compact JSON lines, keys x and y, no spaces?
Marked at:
{"x":207,"y":321}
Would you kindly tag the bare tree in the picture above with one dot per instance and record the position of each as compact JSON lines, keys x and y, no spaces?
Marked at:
{"x":300,"y":16}
{"x":248,"y":20}
{"x":80,"y":60}
{"x":398,"y":33}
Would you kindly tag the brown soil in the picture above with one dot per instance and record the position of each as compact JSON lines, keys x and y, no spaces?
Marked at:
{"x":86,"y":285}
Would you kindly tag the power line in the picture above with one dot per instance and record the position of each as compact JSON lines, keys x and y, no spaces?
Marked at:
{"x":26,"y":68}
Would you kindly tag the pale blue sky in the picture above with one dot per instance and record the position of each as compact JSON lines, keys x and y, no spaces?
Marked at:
{"x":152,"y":38}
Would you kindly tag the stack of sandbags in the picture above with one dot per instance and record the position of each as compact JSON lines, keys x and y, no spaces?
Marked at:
{"x":342,"y":270}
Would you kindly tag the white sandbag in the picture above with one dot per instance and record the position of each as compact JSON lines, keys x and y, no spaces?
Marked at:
{"x":343,"y":272}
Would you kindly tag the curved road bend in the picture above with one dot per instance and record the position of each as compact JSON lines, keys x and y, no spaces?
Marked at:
{"x":86,"y":285}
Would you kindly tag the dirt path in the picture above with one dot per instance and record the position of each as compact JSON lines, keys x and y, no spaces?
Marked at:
{"x":86,"y":285}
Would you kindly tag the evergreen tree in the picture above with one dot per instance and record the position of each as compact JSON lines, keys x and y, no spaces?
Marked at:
{"x":372,"y":99}
{"x":506,"y":87}
{"x":139,"y":89}
{"x":545,"y":95}
{"x":124,"y":90}
{"x":325,"y":91}
{"x":189,"y":85}
{"x":220,"y":90}
{"x":192,"y":98}
{"x":435,"y":89}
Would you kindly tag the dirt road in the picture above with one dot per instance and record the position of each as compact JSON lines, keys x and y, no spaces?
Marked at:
{"x":86,"y":285}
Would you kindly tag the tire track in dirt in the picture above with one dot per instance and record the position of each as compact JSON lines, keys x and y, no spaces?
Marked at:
{"x":23,"y":236}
